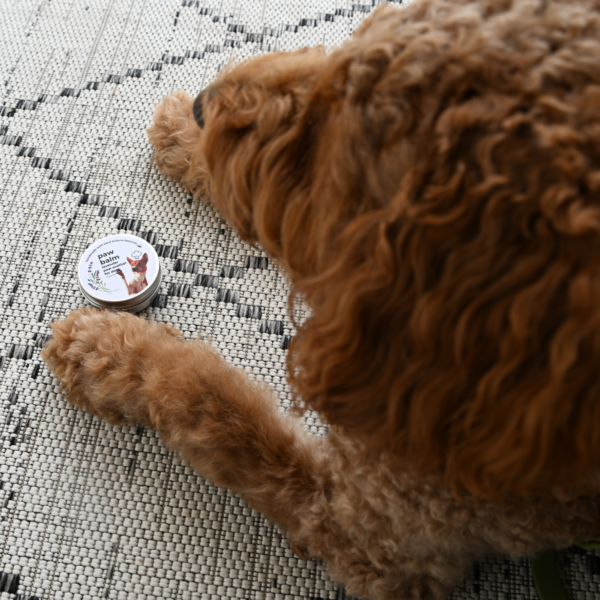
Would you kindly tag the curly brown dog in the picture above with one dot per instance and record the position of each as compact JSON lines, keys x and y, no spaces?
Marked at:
{"x":432,"y":188}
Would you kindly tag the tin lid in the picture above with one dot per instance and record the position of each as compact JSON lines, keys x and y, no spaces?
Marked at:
{"x":120,"y":271}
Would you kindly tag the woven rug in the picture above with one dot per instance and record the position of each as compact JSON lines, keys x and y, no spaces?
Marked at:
{"x":90,"y":511}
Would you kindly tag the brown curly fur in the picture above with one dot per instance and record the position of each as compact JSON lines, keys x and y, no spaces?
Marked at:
{"x":432,"y":188}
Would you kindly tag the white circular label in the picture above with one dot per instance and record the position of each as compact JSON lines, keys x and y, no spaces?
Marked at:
{"x":118,"y":267}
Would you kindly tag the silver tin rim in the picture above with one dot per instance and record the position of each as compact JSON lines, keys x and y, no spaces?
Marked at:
{"x":144,"y":299}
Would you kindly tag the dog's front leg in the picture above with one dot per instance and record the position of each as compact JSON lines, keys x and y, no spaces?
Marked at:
{"x":125,"y":369}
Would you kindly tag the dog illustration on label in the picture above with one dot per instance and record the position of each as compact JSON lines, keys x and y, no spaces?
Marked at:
{"x":138,"y":281}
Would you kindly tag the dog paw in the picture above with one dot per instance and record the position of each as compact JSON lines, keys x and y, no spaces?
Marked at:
{"x":175,"y":135}
{"x":100,"y":358}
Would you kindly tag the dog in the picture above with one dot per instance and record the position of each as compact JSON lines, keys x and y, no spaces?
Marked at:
{"x":139,"y":268}
{"x":432,"y":188}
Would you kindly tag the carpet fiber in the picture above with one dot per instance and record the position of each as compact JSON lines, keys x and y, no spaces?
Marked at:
{"x":92,"y":511}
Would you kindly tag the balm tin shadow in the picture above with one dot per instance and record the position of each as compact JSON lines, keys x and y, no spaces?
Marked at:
{"x":121,"y":272}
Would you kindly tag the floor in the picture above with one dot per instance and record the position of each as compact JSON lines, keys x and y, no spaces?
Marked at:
{"x":90,"y":511}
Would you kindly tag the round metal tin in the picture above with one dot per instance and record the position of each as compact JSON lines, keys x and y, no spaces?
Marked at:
{"x":121,"y":272}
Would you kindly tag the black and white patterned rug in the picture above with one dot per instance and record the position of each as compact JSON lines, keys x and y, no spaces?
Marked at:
{"x":90,"y":511}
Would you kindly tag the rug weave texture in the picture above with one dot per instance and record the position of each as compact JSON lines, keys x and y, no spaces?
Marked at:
{"x":87,"y":510}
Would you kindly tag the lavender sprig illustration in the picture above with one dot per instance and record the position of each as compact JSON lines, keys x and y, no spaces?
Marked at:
{"x":96,"y":283}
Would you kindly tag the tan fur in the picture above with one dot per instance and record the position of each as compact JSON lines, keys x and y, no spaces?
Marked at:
{"x":433,"y":189}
